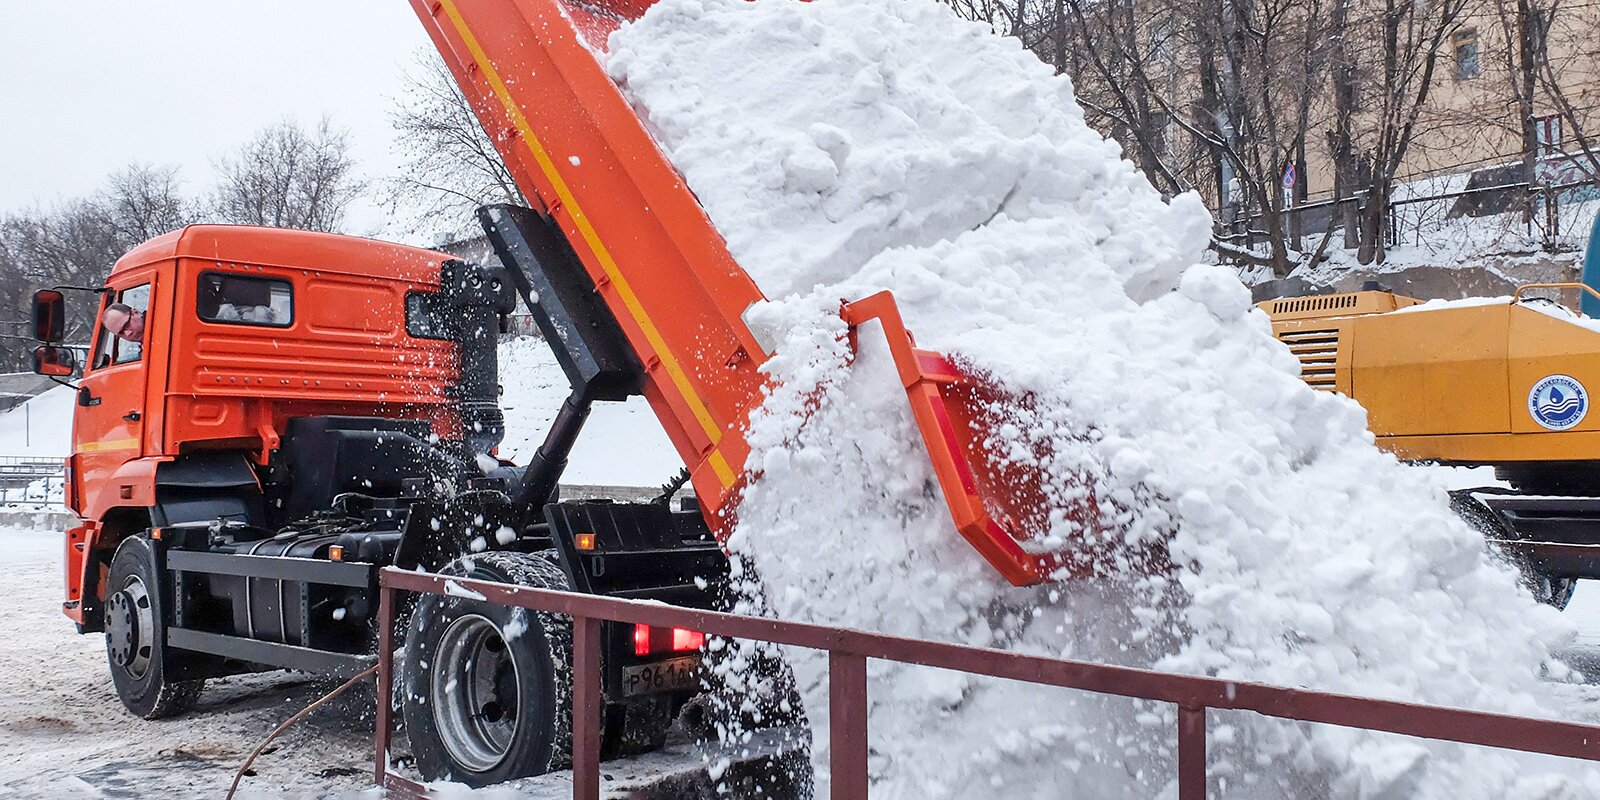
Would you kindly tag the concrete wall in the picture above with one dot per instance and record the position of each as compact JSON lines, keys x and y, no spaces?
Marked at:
{"x":1500,"y":277}
{"x":1453,"y":283}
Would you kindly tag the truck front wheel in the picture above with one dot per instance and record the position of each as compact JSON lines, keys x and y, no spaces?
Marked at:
{"x":136,"y":636}
{"x":487,"y":688}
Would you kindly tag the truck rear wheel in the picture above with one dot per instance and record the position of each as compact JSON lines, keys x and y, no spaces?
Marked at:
{"x":487,"y":688}
{"x":136,"y":636}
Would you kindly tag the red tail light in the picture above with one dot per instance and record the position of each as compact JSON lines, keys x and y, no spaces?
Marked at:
{"x":647,"y":640}
{"x":687,"y":640}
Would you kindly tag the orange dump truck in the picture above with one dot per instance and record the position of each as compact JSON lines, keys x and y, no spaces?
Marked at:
{"x":267,"y":418}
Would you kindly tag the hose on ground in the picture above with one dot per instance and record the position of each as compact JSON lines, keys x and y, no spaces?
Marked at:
{"x":238,"y":776}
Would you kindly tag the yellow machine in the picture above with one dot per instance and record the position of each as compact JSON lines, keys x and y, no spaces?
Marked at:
{"x":1484,"y":382}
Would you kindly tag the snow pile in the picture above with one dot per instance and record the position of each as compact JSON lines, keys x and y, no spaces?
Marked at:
{"x":845,"y":146}
{"x":40,"y":427}
{"x":38,"y":430}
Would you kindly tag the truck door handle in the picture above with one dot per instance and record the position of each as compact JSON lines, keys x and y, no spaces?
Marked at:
{"x":131,"y":416}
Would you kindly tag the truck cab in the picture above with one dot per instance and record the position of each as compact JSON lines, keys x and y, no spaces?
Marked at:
{"x":266,"y":418}
{"x":208,"y":342}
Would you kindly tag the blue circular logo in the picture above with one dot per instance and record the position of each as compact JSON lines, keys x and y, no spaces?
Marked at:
{"x":1558,"y":402}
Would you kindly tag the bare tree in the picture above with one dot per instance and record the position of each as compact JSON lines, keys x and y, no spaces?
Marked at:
{"x":288,"y":177}
{"x":1125,"y":81}
{"x":143,"y":201}
{"x":1208,"y":95}
{"x":1521,"y":72}
{"x":1221,"y":96}
{"x":1389,"y":56}
{"x":451,"y":166}
{"x":1542,"y":45}
{"x":1568,"y":76}
{"x":75,"y":243}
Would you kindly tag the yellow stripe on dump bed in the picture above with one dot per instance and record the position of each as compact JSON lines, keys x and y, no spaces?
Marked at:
{"x":669,"y":362}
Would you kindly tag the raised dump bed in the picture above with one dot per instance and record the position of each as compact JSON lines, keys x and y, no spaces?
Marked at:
{"x":580,"y":153}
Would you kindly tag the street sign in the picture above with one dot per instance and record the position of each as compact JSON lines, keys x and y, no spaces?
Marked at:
{"x":1289,"y":176}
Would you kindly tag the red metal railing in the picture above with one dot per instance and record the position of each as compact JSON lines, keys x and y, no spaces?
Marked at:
{"x":848,"y":651}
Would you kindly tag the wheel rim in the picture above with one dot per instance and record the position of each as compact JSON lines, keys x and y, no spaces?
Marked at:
{"x":130,"y":628}
{"x":475,"y":693}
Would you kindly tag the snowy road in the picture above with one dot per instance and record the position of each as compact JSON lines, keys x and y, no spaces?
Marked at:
{"x":64,"y":734}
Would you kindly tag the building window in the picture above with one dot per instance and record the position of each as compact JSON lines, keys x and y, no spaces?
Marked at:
{"x":1468,"y":64}
{"x":245,"y":300}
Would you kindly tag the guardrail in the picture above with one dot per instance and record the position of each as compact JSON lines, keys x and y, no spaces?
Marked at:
{"x":849,"y":649}
{"x":29,"y":465}
{"x":1307,"y":221}
{"x":19,"y":473}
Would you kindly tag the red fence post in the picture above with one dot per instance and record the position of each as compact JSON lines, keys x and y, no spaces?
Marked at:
{"x":1191,"y":753}
{"x":380,"y":766}
{"x":847,"y":725}
{"x":585,"y":708}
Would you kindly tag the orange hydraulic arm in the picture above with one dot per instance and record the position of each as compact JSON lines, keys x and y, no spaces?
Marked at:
{"x":578,"y":149}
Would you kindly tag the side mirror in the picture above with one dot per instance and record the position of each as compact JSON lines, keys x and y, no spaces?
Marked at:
{"x":53,"y":362}
{"x":49,"y":316}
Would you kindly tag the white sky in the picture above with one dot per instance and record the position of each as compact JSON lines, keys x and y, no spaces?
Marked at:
{"x":89,"y":86}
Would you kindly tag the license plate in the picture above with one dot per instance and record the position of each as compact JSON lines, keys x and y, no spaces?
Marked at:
{"x":663,"y":676}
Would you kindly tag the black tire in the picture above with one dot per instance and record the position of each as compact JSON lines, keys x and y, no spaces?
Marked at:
{"x":458,"y":656}
{"x":136,"y":636}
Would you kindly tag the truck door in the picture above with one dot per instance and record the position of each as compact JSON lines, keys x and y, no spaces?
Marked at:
{"x":109,"y":425}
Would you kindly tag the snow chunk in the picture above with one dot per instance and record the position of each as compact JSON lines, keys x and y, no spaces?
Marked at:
{"x":454,"y":589}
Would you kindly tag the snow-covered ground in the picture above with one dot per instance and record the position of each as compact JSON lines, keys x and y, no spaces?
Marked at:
{"x":1430,"y":235}
{"x":1496,"y":243}
{"x":1585,"y":611}
{"x":39,"y":428}
{"x":64,"y":734}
